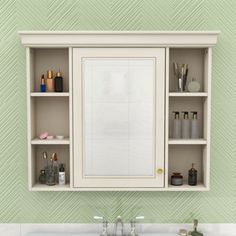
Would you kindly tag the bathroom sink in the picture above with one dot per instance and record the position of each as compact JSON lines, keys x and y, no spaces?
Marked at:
{"x":92,"y":234}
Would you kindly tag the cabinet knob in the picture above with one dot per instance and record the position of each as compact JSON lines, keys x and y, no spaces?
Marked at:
{"x":160,"y":171}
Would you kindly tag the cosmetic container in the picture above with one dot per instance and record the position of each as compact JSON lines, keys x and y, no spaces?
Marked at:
{"x":58,"y":82}
{"x":185,"y":126}
{"x":62,"y":175}
{"x":176,"y":126}
{"x":177,"y":179}
{"x":42,"y":85}
{"x":50,"y":82}
{"x":42,"y":177}
{"x":194,"y":86}
{"x":192,"y":176}
{"x":194,"y":126}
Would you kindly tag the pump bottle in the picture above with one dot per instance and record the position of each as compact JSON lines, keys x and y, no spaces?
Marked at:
{"x":176,"y":126}
{"x":185,"y":126}
{"x":194,"y":126}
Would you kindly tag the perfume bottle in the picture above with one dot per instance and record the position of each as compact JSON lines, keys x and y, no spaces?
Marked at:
{"x":50,"y":84}
{"x":42,"y":85}
{"x":192,"y":176}
{"x":58,"y":82}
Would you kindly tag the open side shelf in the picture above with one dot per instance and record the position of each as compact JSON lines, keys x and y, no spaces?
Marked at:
{"x":38,"y":163}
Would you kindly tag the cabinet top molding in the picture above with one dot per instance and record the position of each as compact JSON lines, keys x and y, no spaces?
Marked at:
{"x":119,"y":38}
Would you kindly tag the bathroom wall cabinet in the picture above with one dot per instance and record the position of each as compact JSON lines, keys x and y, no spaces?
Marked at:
{"x":116,"y":108}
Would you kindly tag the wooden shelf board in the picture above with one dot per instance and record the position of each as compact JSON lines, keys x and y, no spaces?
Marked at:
{"x":188,"y":94}
{"x":39,"y":94}
{"x":50,"y":141}
{"x":187,"y":142}
{"x":44,"y":187}
{"x":186,"y":187}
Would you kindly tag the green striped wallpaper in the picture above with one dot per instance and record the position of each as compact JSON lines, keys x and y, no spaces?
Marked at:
{"x":19,"y":205}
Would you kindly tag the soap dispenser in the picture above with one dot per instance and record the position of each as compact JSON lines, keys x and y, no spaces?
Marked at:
{"x":176,"y":126}
{"x":192,"y":176}
{"x":185,"y":126}
{"x":195,"y":232}
{"x":194,"y":126}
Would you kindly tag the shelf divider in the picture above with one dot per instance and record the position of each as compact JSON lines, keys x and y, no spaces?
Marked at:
{"x":186,"y":187}
{"x":188,"y":94}
{"x":44,"y":187}
{"x":187,"y":141}
{"x":38,"y":141}
{"x":53,"y":94}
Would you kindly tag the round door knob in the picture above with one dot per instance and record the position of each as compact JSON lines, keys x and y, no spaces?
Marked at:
{"x":160,"y":171}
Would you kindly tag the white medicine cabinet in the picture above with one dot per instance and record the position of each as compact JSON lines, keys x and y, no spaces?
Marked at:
{"x":112,"y":125}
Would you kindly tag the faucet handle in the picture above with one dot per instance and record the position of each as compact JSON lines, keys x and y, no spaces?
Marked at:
{"x":137,"y":218}
{"x":98,"y":218}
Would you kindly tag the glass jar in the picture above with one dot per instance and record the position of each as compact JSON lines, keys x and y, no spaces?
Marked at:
{"x":177,"y":179}
{"x":42,"y":177}
{"x":51,"y":174}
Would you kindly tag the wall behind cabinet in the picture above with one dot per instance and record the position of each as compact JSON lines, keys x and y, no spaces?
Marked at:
{"x":19,"y":205}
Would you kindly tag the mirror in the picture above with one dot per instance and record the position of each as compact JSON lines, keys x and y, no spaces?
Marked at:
{"x":119,"y":115}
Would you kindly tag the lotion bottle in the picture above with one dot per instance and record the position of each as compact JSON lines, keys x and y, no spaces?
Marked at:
{"x":185,"y":126}
{"x":50,"y":84}
{"x":176,"y":126}
{"x":62,"y":175}
{"x":194,"y":126}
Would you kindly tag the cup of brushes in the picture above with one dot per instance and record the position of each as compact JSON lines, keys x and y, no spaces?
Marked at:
{"x":181,"y":74}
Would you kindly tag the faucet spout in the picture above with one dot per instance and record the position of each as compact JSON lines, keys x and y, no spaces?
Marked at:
{"x":119,"y":224}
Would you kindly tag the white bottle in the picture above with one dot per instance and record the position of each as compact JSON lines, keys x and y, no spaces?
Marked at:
{"x":185,"y":126}
{"x":176,"y":126}
{"x":194,"y":126}
{"x":62,"y":175}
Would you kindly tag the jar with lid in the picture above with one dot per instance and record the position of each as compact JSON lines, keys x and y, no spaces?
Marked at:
{"x":176,"y":179}
{"x":42,"y":177}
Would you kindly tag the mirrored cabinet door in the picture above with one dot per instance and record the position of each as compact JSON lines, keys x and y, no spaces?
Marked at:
{"x":118,"y":101}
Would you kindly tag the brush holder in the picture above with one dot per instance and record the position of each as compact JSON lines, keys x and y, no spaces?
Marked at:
{"x":51,"y":175}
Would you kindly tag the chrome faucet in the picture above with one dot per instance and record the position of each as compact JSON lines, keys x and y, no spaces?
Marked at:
{"x":119,"y":228}
{"x":104,"y":225}
{"x":133,"y":225}
{"x":117,"y":223}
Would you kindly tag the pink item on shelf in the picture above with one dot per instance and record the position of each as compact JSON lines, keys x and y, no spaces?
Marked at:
{"x":43,"y":135}
{"x":50,"y":137}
